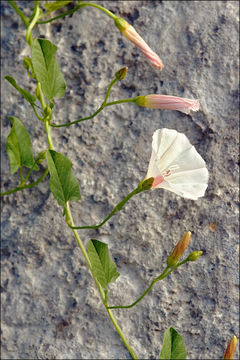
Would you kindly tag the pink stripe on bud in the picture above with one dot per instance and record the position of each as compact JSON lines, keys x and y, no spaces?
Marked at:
{"x":130,"y":33}
{"x":167,"y":102}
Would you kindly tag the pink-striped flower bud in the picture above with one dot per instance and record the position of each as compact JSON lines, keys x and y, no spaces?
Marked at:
{"x":130,"y":33}
{"x":157,"y":101}
{"x":230,"y":350}
{"x":179,"y":249}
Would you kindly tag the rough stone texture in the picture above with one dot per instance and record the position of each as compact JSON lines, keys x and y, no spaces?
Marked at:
{"x":50,"y":306}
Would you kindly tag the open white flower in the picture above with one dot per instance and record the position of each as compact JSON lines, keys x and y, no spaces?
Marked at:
{"x":176,"y":165}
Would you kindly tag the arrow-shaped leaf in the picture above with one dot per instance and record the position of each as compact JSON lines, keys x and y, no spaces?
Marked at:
{"x":19,"y":147}
{"x":46,"y":68}
{"x":173,"y":346}
{"x":63,"y":183}
{"x":103,"y":267}
{"x":29,"y":97}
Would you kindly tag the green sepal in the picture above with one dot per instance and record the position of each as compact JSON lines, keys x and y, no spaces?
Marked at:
{"x":145,"y":184}
{"x":47,"y":69}
{"x":103,"y":267}
{"x":19,"y":147}
{"x":173,"y":346}
{"x":29,"y":97}
{"x":140,"y":100}
{"x":121,"y":24}
{"x":63,"y":183}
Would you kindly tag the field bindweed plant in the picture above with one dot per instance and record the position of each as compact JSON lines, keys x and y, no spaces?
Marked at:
{"x":175,"y":164}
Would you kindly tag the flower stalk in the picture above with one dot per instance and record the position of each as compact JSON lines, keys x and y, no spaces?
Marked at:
{"x":142,"y":186}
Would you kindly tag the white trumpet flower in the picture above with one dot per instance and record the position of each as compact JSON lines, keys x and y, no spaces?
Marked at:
{"x":176,"y":165}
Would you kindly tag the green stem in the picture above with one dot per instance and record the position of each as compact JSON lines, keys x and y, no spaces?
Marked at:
{"x":35,"y":112}
{"x":120,"y":102}
{"x":144,"y":293}
{"x":119,"y":330}
{"x":22,"y":187}
{"x":19,"y":12}
{"x":70,"y":223}
{"x":109,"y":13}
{"x":37,"y":13}
{"x":21,"y":175}
{"x":175,"y":267}
{"x":79,"y":241}
{"x":96,"y":112}
{"x":163,"y":275}
{"x":108,"y":90}
{"x":85,"y":254}
{"x":117,"y":208}
{"x":29,"y":173}
{"x":60,"y":16}
{"x":79,"y":120}
{"x":49,"y":137}
{"x":99,"y":7}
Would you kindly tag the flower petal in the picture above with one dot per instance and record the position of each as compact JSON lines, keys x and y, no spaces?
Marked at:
{"x":168,"y":144}
{"x":187,"y":191}
{"x":176,"y":165}
{"x":158,"y":101}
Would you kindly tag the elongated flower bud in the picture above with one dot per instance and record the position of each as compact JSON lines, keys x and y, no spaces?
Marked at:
{"x":157,"y":101}
{"x":179,"y":249}
{"x":130,"y":33}
{"x":230,"y":350}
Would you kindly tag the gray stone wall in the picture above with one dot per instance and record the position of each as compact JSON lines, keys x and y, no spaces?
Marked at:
{"x":50,"y":306}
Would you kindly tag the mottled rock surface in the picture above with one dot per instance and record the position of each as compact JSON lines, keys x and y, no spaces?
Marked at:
{"x":50,"y":306}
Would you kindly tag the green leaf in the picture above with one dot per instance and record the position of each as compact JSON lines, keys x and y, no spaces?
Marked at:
{"x":173,"y":346}
{"x":56,"y":5}
{"x":19,"y":147}
{"x":103,"y":267}
{"x":29,"y":97}
{"x":63,"y":183}
{"x":46,"y":68}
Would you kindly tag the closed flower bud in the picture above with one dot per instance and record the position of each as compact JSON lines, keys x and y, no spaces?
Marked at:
{"x":41,"y":156}
{"x":37,"y":91}
{"x":166,"y":102}
{"x":194,"y":255}
{"x":27,"y":63}
{"x":120,"y":74}
{"x":130,"y":33}
{"x":48,"y":111}
{"x":179,"y":249}
{"x":230,"y":350}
